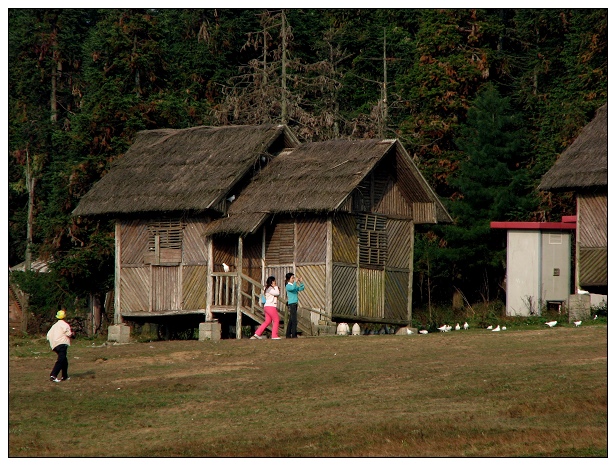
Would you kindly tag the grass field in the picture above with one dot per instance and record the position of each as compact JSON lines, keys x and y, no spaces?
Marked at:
{"x":518,"y":393}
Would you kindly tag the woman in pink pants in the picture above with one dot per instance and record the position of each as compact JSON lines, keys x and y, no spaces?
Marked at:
{"x":271,"y":312}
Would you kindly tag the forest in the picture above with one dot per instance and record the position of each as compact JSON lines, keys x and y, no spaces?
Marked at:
{"x":484,"y":100}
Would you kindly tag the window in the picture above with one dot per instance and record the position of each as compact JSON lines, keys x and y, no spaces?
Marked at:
{"x":372,"y":240}
{"x":164,"y":242}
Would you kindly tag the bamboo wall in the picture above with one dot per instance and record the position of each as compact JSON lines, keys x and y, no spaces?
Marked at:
{"x":148,"y":288}
{"x":592,"y":239}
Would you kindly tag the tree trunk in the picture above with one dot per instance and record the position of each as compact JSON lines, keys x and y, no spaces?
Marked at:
{"x":284,"y":115}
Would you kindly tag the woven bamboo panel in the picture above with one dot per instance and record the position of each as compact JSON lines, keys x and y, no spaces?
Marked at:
{"x":251,"y":256}
{"x":424,"y":212}
{"x":593,"y":267}
{"x":279,"y":272}
{"x":280,"y":242}
{"x":313,"y":277}
{"x":311,"y":240}
{"x":344,"y":292}
{"x":396,"y":295}
{"x":134,"y":289}
{"x":224,"y":249}
{"x":193,"y":246}
{"x":399,"y":243}
{"x":393,"y":203}
{"x":371,"y":293}
{"x":133,"y":241}
{"x":344,"y":239}
{"x":592,"y":220}
{"x":194,"y":282}
{"x":165,"y":288}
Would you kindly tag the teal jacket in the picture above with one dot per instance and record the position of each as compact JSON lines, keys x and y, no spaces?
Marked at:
{"x":292,"y":290}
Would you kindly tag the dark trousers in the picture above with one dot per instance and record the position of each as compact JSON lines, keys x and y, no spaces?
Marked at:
{"x":292,"y":326}
{"x":61,"y":363}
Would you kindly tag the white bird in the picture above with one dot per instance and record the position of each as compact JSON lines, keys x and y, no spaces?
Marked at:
{"x":503,"y":328}
{"x":423,"y":332}
{"x":497,"y":329}
{"x":578,"y":323}
{"x":443,"y":328}
{"x":489,"y":327}
{"x":595,"y":318}
{"x":581,"y":291}
{"x":465,"y":325}
{"x":552,"y":323}
{"x":409,"y":331}
{"x":448,"y":329}
{"x":356,"y":329}
{"x":457,"y":327}
{"x":225,"y":267}
{"x":231,"y":199}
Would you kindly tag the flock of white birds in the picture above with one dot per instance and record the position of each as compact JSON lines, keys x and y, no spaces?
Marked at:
{"x":344,"y":329}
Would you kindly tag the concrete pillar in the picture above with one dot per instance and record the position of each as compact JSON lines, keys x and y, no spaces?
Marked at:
{"x":119,"y":333}
{"x":209,"y":330}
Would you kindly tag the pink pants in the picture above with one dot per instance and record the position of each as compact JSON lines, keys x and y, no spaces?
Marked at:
{"x":271,"y":315}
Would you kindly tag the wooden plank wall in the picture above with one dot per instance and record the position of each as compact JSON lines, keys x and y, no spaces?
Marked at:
{"x":311,"y":240}
{"x":194,"y":251}
{"x":371,"y":287}
{"x":280,"y":242}
{"x":592,"y":239}
{"x":224,"y":249}
{"x":135,"y":289}
{"x":398,"y":243}
{"x":166,"y":288}
{"x":393,"y":203}
{"x":344,"y":283}
{"x":314,"y":281}
{"x":396,"y":294}
{"x":134,"y":237}
{"x":194,"y":284}
{"x":344,"y":239}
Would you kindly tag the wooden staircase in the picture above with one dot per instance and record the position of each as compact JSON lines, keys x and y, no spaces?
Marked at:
{"x":227,"y":299}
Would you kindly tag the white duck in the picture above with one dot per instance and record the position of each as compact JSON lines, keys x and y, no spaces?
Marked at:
{"x":465,"y":325}
{"x":552,"y":323}
{"x":457,"y":327}
{"x":497,"y":329}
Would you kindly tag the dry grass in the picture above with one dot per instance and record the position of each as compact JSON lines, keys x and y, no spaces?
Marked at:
{"x":530,"y":393}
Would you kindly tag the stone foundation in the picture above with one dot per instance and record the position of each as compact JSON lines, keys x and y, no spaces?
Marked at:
{"x":579,"y":307}
{"x":209,"y":330}
{"x":118,"y":333}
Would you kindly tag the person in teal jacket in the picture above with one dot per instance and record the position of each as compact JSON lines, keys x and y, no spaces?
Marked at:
{"x":293,"y":287}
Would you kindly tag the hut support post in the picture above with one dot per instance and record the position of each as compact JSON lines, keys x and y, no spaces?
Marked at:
{"x":117,"y":317}
{"x":210,"y":279}
{"x":238,"y":289}
{"x":409,"y":304}
{"x":329,"y":268}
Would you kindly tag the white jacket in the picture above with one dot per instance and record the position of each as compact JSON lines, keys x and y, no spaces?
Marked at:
{"x":59,"y":334}
{"x":271,"y":296}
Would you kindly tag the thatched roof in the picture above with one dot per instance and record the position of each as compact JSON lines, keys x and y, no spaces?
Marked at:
{"x":182,"y":169}
{"x":584,"y":163}
{"x":319,"y":177}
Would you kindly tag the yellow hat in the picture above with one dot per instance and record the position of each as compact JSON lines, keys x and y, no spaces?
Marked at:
{"x":60,"y":314}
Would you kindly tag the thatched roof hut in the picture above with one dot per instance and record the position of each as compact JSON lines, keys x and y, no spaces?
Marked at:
{"x":320,"y":177}
{"x":584,"y":163}
{"x":189,"y":169}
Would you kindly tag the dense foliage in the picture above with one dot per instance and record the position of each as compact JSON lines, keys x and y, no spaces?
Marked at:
{"x":484,"y":100}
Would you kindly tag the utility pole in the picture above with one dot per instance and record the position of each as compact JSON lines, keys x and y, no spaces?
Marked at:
{"x":383,"y":128}
{"x":283,"y":103}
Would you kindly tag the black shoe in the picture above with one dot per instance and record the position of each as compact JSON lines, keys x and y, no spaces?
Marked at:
{"x":64,"y":379}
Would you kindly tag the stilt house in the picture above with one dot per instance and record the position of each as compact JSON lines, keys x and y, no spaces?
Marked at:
{"x":582,"y":168}
{"x":204,"y":215}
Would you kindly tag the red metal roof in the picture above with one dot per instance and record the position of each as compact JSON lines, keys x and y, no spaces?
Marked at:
{"x":533,"y":225}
